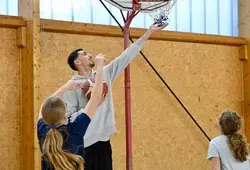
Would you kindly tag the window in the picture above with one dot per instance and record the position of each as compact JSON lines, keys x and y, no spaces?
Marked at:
{"x":9,"y":7}
{"x":199,"y":16}
{"x":218,"y":17}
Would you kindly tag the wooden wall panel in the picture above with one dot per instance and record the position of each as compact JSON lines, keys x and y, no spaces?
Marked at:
{"x":30,"y":11}
{"x":244,"y":28}
{"x":10,"y":101}
{"x":207,"y":78}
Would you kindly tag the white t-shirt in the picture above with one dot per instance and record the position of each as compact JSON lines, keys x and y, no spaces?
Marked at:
{"x":219,"y":148}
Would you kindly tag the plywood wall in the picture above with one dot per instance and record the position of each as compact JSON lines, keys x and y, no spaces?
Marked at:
{"x":206,"y":78}
{"x":10,"y":101}
{"x":244,"y":28}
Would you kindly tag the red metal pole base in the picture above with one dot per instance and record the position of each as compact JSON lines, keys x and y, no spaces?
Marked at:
{"x":129,"y":163}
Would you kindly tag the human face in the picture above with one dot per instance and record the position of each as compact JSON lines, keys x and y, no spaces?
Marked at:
{"x":85,"y":59}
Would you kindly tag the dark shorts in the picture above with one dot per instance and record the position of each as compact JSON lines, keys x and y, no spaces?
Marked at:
{"x":99,"y":156}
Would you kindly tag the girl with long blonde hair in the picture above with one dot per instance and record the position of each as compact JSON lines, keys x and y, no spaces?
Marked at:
{"x":61,"y":143}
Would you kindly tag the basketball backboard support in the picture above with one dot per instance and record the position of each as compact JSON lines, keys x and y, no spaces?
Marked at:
{"x":145,"y":6}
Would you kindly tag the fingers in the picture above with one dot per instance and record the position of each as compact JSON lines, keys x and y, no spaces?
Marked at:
{"x":156,"y":28}
{"x":73,"y":85}
{"x":77,"y":85}
{"x":100,"y":55}
{"x":165,"y":25}
{"x":104,"y":96}
{"x":100,"y":59}
{"x":104,"y":58}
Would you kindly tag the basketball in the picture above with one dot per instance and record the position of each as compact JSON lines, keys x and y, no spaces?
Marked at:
{"x":88,"y":86}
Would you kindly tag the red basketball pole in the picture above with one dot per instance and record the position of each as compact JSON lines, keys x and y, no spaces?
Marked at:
{"x":129,"y":160}
{"x":127,"y":22}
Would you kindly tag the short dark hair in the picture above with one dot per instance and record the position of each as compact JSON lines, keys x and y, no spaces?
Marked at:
{"x":72,"y":57}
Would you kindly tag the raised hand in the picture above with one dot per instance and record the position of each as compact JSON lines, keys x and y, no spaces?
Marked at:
{"x":103,"y":98}
{"x":73,"y":85}
{"x":69,"y":86}
{"x":154,"y":28}
{"x":100,"y":59}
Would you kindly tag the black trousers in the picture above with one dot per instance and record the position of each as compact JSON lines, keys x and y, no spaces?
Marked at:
{"x":99,"y":156}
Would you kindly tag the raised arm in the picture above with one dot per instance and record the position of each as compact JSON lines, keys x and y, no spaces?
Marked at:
{"x":120,"y":63}
{"x":69,"y":86}
{"x":96,"y":93}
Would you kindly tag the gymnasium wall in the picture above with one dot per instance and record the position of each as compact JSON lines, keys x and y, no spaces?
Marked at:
{"x":244,"y":18}
{"x":207,"y":79}
{"x":10,"y":101}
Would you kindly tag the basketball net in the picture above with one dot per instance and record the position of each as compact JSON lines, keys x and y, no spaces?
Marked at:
{"x":160,"y":10}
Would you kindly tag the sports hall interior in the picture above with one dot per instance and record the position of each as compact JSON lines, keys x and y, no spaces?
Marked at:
{"x":208,"y":71}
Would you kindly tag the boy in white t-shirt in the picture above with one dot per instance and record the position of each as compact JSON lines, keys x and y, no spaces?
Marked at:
{"x":230,"y":151}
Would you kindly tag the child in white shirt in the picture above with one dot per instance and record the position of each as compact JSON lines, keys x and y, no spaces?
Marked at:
{"x":229,"y":151}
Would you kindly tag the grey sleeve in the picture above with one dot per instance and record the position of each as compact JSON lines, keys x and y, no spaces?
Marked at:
{"x":115,"y":67}
{"x":71,"y":101}
{"x":212,"y":151}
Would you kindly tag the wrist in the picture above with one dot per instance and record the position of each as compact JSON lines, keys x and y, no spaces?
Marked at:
{"x":147,"y":34}
{"x":64,"y":88}
{"x":150,"y":31}
{"x":99,"y":66}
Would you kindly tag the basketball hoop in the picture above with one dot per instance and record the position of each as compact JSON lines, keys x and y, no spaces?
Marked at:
{"x":158,"y":10}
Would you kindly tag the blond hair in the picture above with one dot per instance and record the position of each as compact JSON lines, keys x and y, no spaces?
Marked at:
{"x":53,"y":112}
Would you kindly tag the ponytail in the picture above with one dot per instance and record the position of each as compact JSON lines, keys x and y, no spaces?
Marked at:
{"x":239,"y":146}
{"x":61,"y":160}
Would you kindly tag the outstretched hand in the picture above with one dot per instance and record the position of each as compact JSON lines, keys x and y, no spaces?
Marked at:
{"x":154,"y":28}
{"x":73,"y":85}
{"x":69,"y":86}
